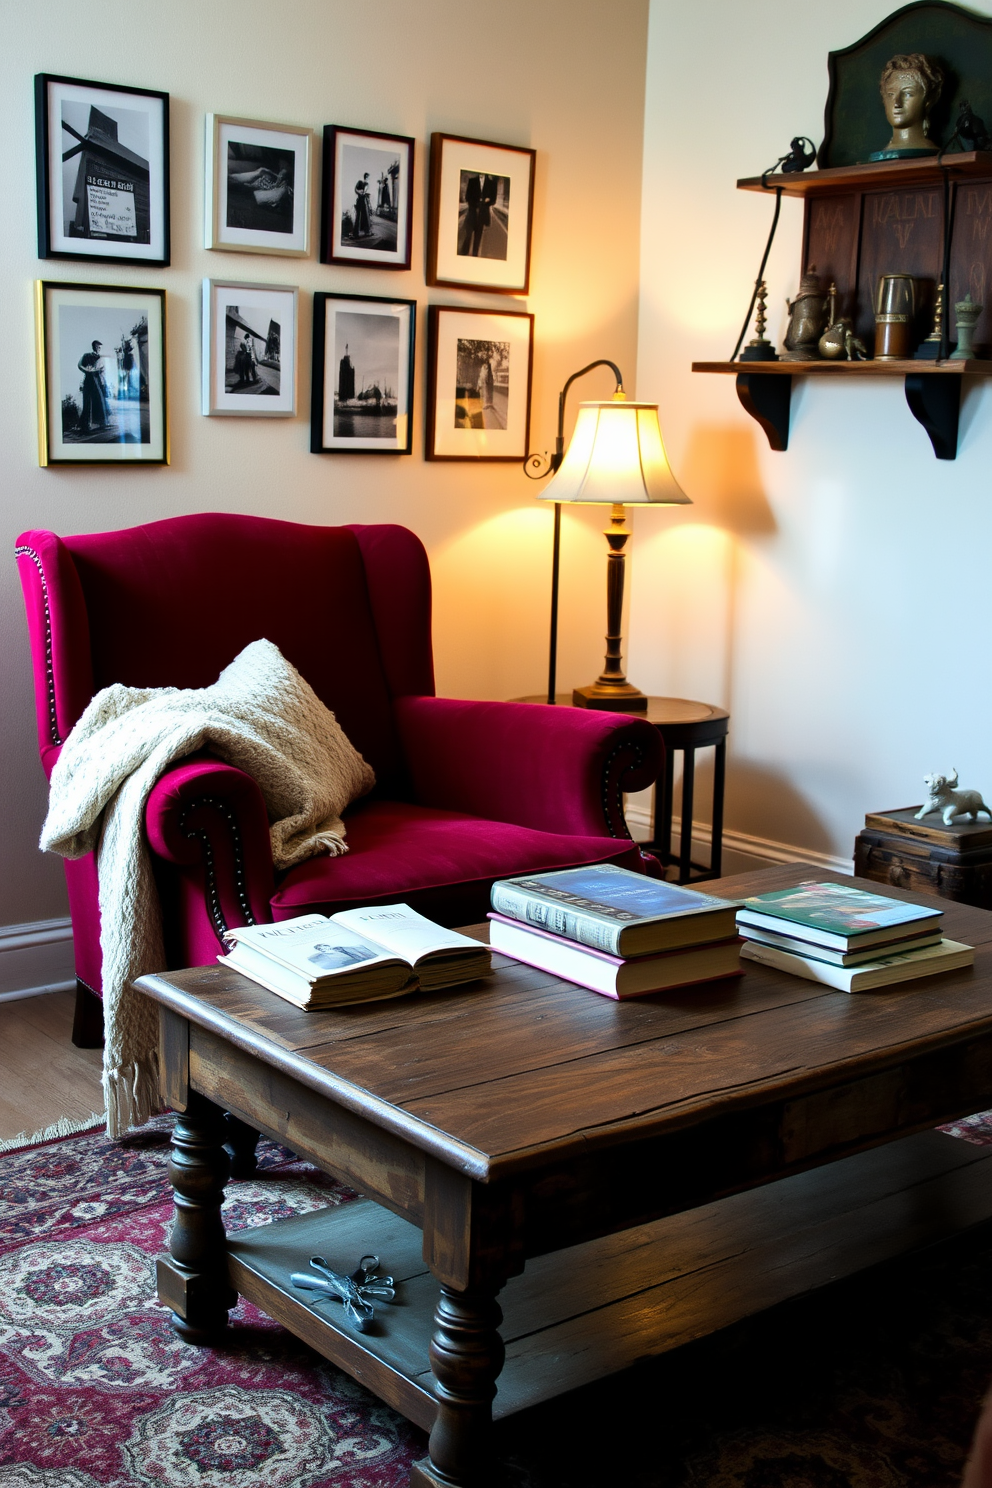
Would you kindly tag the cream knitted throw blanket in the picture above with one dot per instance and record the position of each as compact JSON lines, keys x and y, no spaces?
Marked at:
{"x":261,"y":716}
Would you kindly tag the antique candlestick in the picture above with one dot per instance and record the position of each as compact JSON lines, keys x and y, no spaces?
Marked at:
{"x":760,"y":349}
{"x":929,"y":350}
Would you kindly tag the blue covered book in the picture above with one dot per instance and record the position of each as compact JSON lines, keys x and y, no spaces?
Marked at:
{"x":614,"y":910}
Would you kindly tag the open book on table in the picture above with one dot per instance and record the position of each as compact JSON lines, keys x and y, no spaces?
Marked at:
{"x":356,"y":955}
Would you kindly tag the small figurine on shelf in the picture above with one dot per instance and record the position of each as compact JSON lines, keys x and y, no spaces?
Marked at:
{"x":759,"y":348}
{"x":967,"y":313}
{"x":929,"y":350}
{"x":838,"y":340}
{"x":910,"y":86}
{"x":943,"y":796}
{"x":807,"y":318}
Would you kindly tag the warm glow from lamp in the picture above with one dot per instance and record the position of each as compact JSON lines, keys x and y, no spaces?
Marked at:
{"x":616,"y":457}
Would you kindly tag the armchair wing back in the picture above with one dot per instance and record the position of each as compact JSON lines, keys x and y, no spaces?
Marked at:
{"x":465,"y":792}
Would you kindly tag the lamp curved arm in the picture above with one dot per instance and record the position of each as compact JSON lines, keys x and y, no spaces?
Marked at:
{"x":534,"y":466}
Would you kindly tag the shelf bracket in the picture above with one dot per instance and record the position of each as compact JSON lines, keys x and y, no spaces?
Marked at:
{"x":935,"y":403}
{"x":766,"y":398}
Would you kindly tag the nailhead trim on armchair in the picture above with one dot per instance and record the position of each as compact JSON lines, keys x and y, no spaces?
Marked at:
{"x":202,"y":836}
{"x":25,"y":552}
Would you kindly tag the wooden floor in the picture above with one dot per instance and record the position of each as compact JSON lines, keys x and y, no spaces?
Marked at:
{"x":43,"y":1077}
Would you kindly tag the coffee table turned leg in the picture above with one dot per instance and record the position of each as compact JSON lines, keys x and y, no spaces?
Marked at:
{"x":192,"y":1279}
{"x":466,"y":1354}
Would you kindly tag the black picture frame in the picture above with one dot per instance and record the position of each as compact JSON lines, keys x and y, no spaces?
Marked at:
{"x":336,"y":413}
{"x":344,"y":147}
{"x":122,"y":187}
{"x":113,"y":337}
{"x":483,"y":426}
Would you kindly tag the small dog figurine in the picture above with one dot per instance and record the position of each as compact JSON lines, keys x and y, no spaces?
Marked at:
{"x":943,"y":796}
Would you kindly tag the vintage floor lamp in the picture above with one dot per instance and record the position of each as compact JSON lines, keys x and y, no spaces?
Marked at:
{"x":616,"y":458}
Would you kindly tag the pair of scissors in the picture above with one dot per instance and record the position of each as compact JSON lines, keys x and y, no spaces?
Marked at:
{"x":356,"y":1291}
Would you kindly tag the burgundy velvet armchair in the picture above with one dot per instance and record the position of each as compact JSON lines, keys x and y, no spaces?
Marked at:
{"x":466,"y":792}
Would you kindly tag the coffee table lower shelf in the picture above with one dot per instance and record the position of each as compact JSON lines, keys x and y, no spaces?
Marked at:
{"x":581,"y":1314}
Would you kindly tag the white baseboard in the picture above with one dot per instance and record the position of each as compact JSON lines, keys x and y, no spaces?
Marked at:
{"x":36,"y":958}
{"x":741,"y":852}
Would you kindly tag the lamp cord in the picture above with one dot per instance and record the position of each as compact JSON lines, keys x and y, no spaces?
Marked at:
{"x":761,"y":271}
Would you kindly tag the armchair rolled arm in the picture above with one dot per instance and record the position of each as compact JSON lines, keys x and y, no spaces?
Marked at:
{"x":554,"y":769}
{"x":207,"y":821}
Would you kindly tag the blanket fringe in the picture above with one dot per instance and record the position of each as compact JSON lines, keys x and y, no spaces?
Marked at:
{"x":64,"y":1127}
{"x":333,"y":842}
{"x":133,"y":1096}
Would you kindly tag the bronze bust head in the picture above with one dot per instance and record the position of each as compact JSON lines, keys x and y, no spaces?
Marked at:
{"x":910,"y":86}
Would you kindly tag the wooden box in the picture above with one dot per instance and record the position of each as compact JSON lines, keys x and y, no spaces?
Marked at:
{"x":953,"y":861}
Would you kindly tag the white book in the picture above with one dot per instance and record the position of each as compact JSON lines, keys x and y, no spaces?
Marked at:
{"x":611,"y":975}
{"x":357,"y":954}
{"x":840,"y":958}
{"x":949,"y":955}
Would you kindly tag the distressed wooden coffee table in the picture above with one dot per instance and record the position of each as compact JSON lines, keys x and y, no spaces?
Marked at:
{"x":661,"y":1167}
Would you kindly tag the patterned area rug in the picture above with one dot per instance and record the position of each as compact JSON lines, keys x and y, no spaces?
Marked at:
{"x":872,"y":1383}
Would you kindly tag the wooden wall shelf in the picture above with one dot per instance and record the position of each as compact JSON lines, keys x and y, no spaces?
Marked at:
{"x":933,"y":392}
{"x":906,"y":175}
{"x":863,"y":221}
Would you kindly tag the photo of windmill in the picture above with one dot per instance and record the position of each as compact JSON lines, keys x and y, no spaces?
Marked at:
{"x":367,"y":359}
{"x":105,"y":173}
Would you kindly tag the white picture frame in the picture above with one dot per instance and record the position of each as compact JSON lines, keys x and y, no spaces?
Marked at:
{"x":250,"y":349}
{"x":258,"y":187}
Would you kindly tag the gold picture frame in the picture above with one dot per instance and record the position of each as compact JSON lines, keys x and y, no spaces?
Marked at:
{"x":102,"y":379}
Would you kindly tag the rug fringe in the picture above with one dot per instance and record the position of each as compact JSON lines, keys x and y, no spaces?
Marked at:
{"x":64,"y":1127}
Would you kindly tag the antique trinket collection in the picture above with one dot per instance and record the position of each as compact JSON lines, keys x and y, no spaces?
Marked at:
{"x":910,"y":86}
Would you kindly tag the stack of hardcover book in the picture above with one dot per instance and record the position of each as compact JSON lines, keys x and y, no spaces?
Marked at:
{"x":846,"y":937}
{"x":613,"y":931}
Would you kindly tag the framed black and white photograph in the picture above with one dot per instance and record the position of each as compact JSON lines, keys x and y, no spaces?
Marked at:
{"x":103,"y":171}
{"x":478,"y":384}
{"x":366,"y":215}
{"x":362,"y":389}
{"x":249,"y":349}
{"x":479,"y":215}
{"x":258,"y":187}
{"x":101,"y":375}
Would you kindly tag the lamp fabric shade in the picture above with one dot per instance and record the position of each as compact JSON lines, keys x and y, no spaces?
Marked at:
{"x":616,"y":457}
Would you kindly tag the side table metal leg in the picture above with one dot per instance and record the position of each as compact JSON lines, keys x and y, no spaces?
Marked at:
{"x":719,"y":776}
{"x":192,"y":1279}
{"x":466,"y":1354}
{"x":661,"y":827}
{"x":685,"y":843}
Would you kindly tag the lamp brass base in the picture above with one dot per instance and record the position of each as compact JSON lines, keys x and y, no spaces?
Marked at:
{"x":617,"y":699}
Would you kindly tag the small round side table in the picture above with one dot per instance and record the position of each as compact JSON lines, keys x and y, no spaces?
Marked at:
{"x":687,"y":726}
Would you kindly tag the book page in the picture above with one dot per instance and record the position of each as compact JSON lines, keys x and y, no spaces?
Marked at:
{"x":403,"y":931}
{"x":313,"y":945}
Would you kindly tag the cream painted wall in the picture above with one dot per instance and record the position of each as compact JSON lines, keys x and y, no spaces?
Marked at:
{"x":834,"y":597}
{"x":565,"y":76}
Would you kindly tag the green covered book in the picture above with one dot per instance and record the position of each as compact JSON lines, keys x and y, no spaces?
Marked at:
{"x":836,"y":915}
